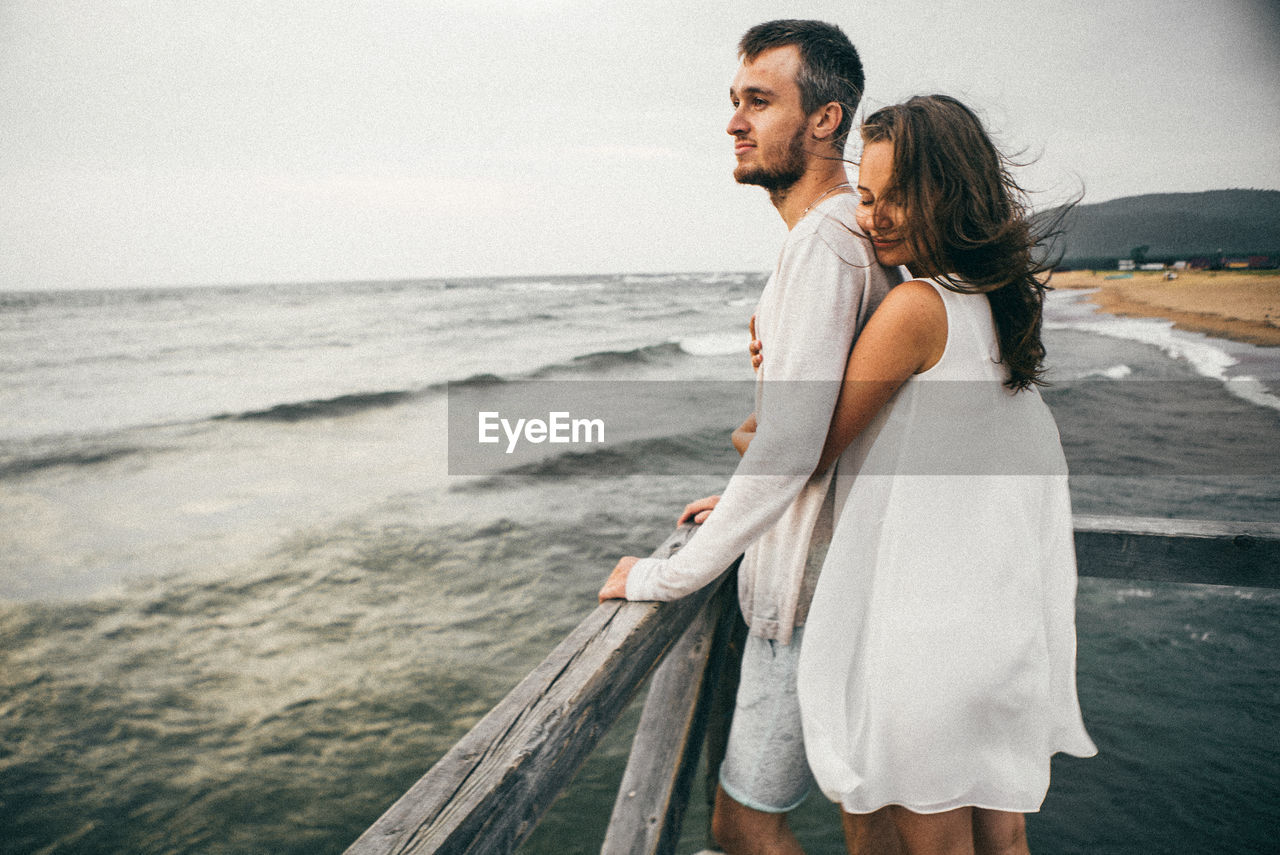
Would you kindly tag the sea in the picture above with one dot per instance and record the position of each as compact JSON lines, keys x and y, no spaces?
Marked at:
{"x":248,"y":595}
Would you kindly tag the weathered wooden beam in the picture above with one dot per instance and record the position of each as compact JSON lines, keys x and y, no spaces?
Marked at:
{"x":489,"y":791}
{"x":1204,"y":552}
{"x":655,"y":787}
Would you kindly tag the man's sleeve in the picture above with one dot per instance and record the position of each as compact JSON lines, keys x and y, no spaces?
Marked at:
{"x":819,"y":302}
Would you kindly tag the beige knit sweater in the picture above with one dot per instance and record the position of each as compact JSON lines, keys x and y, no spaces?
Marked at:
{"x":824,"y":287}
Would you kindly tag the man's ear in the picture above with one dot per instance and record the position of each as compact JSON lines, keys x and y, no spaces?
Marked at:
{"x":825,"y":121}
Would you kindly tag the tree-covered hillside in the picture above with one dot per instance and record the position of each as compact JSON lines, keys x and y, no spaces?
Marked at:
{"x":1182,"y":225}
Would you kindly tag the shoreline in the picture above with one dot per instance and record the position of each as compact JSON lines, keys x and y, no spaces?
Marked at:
{"x":1243,"y":307}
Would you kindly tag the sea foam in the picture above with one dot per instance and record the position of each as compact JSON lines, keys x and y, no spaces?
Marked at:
{"x":1115,"y":372}
{"x":1205,"y":355}
{"x":722,"y":343}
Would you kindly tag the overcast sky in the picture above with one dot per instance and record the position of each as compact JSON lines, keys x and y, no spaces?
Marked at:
{"x":156,"y":143}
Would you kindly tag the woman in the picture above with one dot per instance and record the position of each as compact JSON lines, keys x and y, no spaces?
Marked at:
{"x":938,"y":672}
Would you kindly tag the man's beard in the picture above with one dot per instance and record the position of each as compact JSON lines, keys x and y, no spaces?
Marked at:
{"x":778,"y":176}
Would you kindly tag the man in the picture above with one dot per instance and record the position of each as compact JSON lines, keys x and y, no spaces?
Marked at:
{"x":794,"y":97}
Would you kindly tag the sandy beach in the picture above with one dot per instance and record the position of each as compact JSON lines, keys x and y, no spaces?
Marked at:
{"x":1227,"y":304}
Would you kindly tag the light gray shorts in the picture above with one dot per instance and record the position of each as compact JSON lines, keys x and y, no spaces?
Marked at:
{"x":764,"y":764}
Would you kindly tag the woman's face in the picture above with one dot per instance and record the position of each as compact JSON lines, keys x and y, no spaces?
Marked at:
{"x":884,"y":221}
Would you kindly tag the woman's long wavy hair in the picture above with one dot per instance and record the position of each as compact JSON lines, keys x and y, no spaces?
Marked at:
{"x":967,"y":220}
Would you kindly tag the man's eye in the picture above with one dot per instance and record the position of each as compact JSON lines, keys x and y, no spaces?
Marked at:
{"x":759,"y":102}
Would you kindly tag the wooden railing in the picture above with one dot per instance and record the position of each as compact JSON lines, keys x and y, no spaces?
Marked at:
{"x":489,"y":791}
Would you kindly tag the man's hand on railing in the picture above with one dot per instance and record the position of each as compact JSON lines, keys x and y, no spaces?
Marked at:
{"x":615,"y":587}
{"x":697,"y":512}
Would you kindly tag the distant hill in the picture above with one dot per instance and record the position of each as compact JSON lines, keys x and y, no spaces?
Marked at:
{"x":1181,"y":225}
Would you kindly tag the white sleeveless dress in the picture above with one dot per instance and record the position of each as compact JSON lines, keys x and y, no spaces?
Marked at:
{"x":938,"y":665}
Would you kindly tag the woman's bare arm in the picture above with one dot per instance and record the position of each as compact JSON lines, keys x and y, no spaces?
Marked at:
{"x":906,"y":335}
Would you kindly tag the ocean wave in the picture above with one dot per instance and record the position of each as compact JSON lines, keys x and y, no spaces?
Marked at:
{"x":474,"y":381}
{"x":17,"y":464}
{"x":358,"y":402}
{"x":1114,"y":372}
{"x":723,"y":343}
{"x":725,"y":278}
{"x":1207,"y":357}
{"x":342,"y":405}
{"x":354,"y":403}
{"x":547,"y":286}
{"x":646,"y":278}
{"x":606,"y":360}
{"x":602,"y":361}
{"x":88,"y":449}
{"x":1253,"y":390}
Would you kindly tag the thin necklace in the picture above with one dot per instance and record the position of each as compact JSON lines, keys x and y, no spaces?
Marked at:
{"x":825,"y":194}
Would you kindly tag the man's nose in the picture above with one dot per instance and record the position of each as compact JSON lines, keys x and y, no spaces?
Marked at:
{"x":736,"y":124}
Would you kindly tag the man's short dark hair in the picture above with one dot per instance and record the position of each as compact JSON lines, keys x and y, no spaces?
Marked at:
{"x":830,"y":69}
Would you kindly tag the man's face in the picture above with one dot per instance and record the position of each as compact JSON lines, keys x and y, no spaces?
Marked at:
{"x":769,"y":124}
